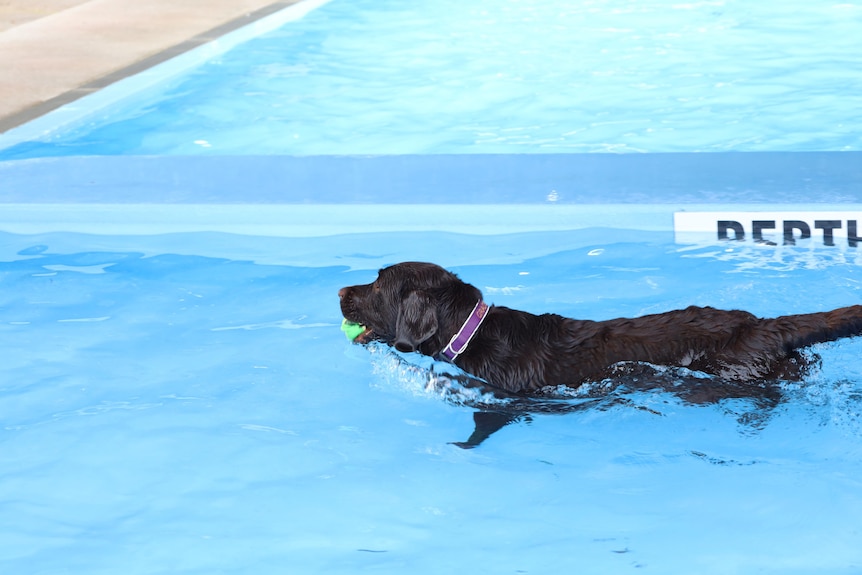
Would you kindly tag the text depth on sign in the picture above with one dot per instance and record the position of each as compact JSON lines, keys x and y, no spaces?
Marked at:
{"x":832,"y":228}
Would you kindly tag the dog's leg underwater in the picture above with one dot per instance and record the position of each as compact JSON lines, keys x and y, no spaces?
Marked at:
{"x":487,"y":423}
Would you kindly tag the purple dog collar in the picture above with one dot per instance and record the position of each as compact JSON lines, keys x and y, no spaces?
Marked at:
{"x":460,"y":340}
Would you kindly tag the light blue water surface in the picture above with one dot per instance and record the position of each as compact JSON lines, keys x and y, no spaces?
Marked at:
{"x":517,"y":76}
{"x":170,"y":412}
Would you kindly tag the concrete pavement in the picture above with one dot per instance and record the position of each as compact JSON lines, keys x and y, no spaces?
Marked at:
{"x":53,"y":52}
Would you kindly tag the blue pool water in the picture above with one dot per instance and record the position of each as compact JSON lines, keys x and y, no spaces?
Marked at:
{"x":186,"y":413}
{"x":176,"y":395}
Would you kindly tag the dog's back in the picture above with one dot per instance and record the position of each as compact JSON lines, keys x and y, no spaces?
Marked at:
{"x":523,"y":352}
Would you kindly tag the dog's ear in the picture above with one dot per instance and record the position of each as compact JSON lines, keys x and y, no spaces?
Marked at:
{"x":417,"y":321}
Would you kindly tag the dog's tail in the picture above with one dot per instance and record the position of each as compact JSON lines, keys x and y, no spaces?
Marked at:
{"x":798,"y":331}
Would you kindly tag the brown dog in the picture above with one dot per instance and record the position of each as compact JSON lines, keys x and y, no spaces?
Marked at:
{"x":423,"y":307}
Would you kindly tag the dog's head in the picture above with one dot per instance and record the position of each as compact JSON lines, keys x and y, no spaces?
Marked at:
{"x":408,"y":305}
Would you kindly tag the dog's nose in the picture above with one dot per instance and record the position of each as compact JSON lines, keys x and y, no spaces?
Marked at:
{"x":342,"y":292}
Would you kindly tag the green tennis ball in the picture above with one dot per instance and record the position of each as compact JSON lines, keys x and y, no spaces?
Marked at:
{"x":351,"y":330}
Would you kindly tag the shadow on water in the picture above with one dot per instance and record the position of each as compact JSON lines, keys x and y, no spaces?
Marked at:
{"x":625,"y":382}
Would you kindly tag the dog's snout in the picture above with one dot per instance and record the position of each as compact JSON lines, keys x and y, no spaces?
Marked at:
{"x":342,"y":293}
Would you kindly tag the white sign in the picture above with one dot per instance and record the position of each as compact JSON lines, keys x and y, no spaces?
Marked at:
{"x":832,"y":228}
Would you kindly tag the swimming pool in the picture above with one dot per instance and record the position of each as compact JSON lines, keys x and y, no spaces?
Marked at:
{"x":458,"y":77}
{"x":177,"y":396}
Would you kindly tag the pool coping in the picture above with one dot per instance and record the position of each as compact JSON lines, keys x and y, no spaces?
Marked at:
{"x":764,"y":196}
{"x":691,"y":223}
{"x":663,"y":178}
{"x":32,"y":78}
